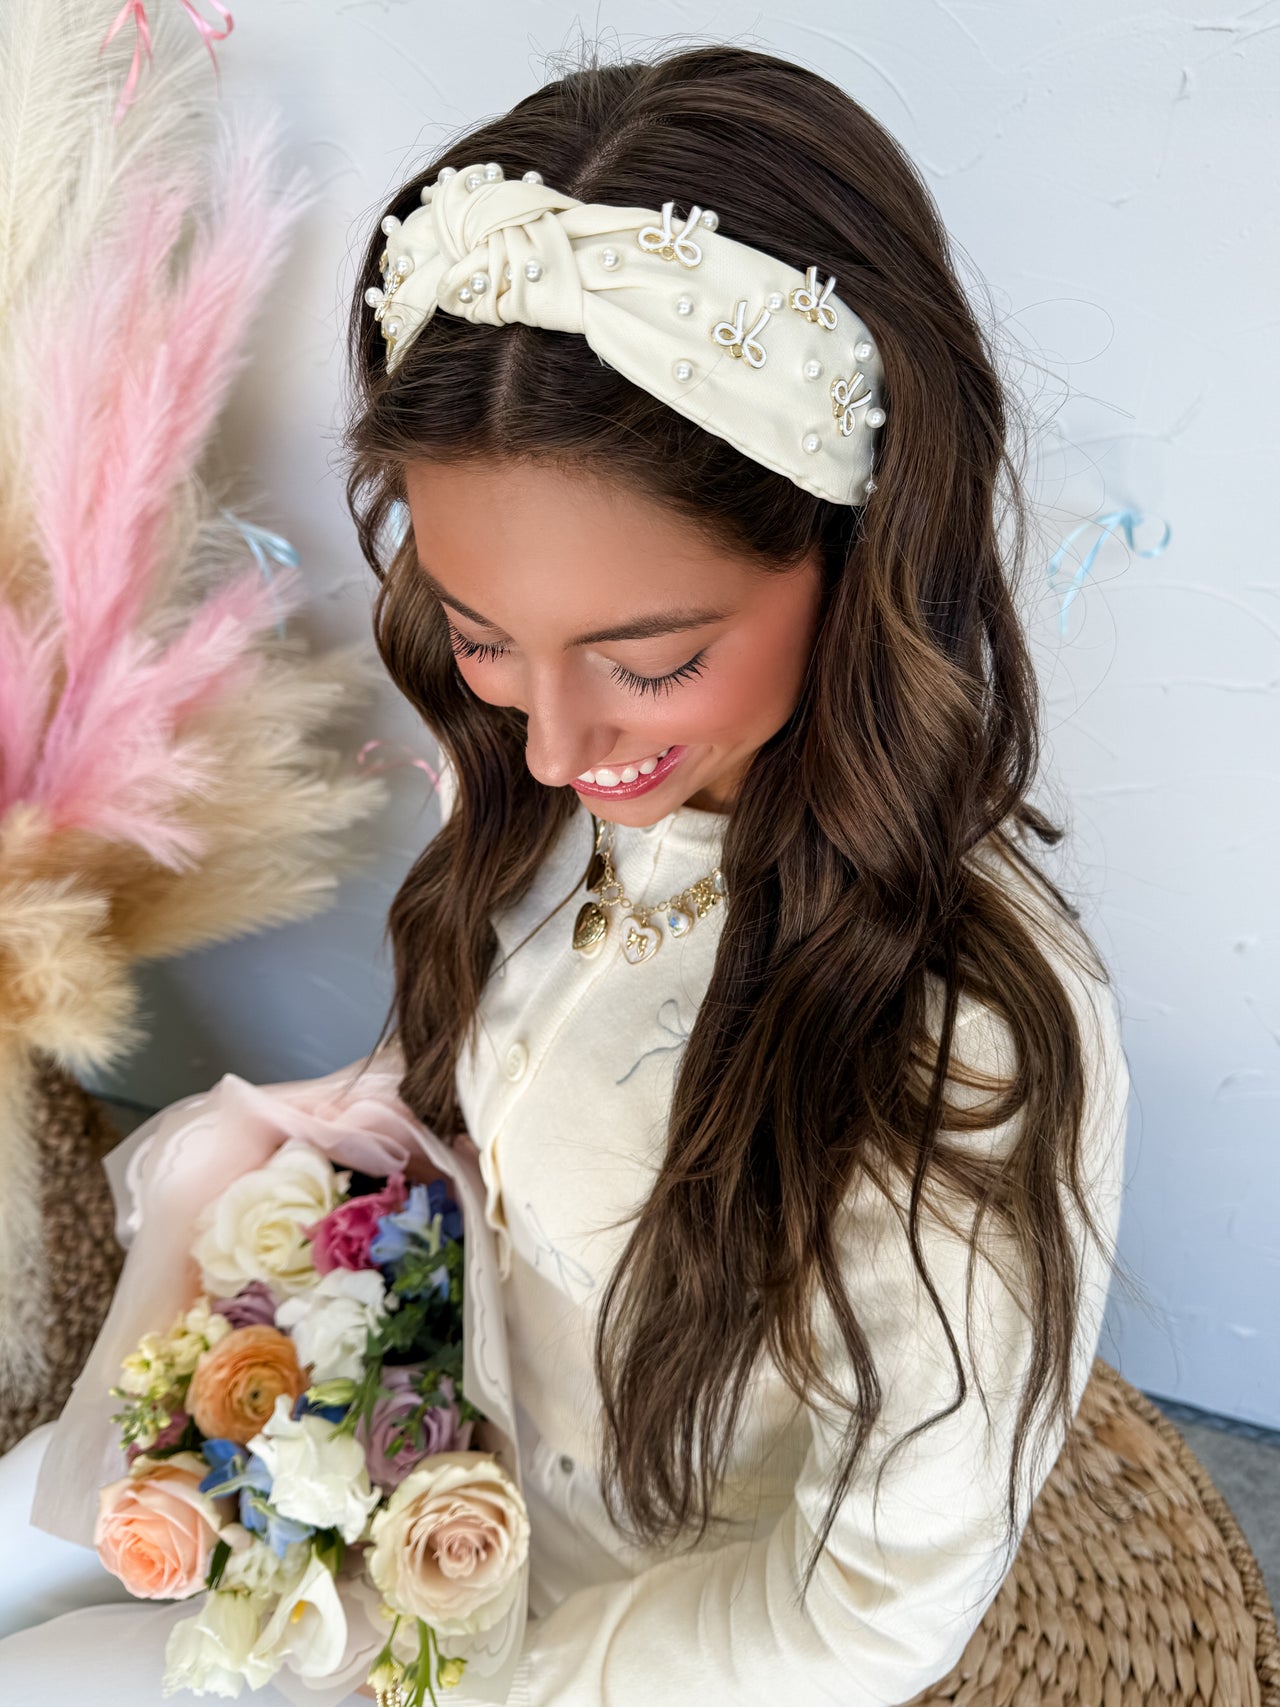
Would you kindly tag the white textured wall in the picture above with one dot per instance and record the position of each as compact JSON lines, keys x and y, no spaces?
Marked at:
{"x":1109,"y":170}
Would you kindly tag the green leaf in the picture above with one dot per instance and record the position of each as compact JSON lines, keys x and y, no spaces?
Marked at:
{"x":218,"y":1564}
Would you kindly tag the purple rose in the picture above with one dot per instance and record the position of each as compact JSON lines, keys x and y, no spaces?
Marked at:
{"x":439,"y":1428}
{"x":254,"y":1306}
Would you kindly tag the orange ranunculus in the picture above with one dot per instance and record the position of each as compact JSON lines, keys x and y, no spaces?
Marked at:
{"x":155,"y":1529}
{"x":236,"y":1384}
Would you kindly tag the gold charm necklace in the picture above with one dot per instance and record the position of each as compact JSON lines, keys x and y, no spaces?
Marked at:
{"x":640,"y":937}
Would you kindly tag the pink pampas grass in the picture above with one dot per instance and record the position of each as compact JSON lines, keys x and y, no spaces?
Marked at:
{"x":168,"y":777}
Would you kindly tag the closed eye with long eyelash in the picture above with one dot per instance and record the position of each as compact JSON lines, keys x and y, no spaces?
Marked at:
{"x":485,"y":651}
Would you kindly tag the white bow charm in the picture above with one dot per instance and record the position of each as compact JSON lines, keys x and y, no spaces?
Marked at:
{"x":730,"y":332}
{"x":813,"y":306}
{"x":672,"y":246}
{"x":843,"y":401}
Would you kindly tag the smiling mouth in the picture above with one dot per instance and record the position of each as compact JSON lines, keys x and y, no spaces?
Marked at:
{"x":630,"y":779}
{"x":609,"y":776}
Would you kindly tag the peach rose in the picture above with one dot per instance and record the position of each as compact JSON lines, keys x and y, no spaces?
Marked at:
{"x":155,"y":1529}
{"x":236,"y":1384}
{"x":449,"y":1543}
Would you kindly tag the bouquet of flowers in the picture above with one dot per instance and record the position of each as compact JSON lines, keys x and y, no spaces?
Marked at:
{"x":298,"y":1445}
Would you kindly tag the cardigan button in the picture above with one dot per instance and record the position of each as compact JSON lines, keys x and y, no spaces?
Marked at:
{"x":516,"y":1061}
{"x":566,"y":1463}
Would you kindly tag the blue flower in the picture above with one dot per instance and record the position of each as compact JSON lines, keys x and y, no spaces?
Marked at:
{"x":227,"y":1462}
{"x":258,"y":1514}
{"x":305,"y":1407}
{"x":412,"y":1224}
{"x":232,"y":1473}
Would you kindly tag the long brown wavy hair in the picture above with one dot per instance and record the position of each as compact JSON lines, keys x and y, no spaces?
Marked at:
{"x":914,"y":739}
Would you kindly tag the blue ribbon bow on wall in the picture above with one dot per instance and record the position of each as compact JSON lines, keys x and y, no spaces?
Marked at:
{"x":1126,"y":520}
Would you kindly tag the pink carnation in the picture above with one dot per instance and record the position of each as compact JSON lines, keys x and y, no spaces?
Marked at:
{"x":343,"y":1237}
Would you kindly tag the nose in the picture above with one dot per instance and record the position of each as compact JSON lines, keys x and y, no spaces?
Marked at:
{"x":565,"y":736}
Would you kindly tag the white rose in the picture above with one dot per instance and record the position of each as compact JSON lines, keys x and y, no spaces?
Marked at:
{"x":317,"y":1476}
{"x":256,"y":1228}
{"x":212,"y":1653}
{"x":330,"y":1324}
{"x":308,"y":1629}
{"x":449,"y":1544}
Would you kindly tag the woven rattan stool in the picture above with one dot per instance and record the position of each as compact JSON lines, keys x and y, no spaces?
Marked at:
{"x":1133,"y":1585}
{"x":81,"y":1257}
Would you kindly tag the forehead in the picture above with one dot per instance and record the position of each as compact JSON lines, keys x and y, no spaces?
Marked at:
{"x":515,"y":531}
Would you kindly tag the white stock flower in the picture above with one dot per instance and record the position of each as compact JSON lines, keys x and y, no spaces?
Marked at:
{"x":317,"y":1476}
{"x":308,"y":1629}
{"x":256,"y":1228}
{"x":330,"y":1323}
{"x":194,"y":1333}
{"x":212,"y":1653}
{"x":254,"y":1569}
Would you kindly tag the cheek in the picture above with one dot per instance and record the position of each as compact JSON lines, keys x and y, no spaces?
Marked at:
{"x":756,"y":685}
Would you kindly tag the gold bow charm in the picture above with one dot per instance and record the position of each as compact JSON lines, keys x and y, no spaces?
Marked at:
{"x":813,"y":306}
{"x":730,"y":332}
{"x":843,"y":401}
{"x":672,"y":246}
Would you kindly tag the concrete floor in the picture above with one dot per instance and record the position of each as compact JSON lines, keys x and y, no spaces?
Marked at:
{"x":1243,"y":1461}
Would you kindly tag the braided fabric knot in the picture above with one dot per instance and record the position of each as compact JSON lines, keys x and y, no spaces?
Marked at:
{"x":752,"y":349}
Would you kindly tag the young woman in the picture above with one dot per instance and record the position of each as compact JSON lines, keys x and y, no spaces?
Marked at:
{"x":798,"y":1093}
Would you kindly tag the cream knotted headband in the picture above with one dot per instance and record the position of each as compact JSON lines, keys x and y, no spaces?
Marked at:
{"x":751,"y":349}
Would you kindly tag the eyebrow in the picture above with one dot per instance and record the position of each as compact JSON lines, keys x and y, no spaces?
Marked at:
{"x":673,"y":621}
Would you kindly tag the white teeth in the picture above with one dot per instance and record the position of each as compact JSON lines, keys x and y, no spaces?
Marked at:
{"x":606,"y":778}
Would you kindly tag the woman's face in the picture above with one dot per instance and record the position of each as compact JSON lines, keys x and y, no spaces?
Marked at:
{"x":615,"y":628}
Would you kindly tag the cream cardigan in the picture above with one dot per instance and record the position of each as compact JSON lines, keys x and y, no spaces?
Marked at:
{"x":565,"y":1094}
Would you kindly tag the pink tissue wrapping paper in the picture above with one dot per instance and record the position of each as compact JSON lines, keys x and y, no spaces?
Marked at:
{"x":163,"y":1174}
